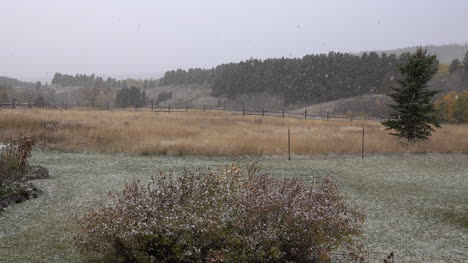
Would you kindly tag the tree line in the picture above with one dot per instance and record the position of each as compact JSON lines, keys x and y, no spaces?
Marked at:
{"x":311,"y":79}
{"x":83,"y":80}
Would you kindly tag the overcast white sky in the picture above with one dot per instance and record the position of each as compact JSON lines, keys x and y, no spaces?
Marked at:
{"x":143,"y":37}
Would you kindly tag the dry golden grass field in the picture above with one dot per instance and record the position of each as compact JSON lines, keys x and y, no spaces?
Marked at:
{"x":211,"y":133}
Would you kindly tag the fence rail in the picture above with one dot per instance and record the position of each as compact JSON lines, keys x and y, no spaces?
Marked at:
{"x":187,"y":108}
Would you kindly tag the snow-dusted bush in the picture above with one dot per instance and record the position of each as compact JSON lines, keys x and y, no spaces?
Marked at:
{"x":14,"y":159}
{"x":235,"y":214}
{"x":15,"y":171}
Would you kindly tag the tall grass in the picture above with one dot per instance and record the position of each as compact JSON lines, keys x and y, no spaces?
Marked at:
{"x":211,"y":133}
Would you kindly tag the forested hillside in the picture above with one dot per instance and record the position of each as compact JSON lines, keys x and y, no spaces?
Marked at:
{"x":12,"y":82}
{"x":311,"y":79}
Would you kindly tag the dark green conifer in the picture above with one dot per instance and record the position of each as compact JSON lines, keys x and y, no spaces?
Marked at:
{"x":413,"y":115}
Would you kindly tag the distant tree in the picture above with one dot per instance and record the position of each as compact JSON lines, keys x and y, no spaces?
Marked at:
{"x":130,"y":97}
{"x":454,"y":65}
{"x":164,"y":95}
{"x":38,"y":86}
{"x":460,"y":108}
{"x":413,"y":112}
{"x":39,"y":101}
{"x":465,"y":61}
{"x":57,"y":78}
{"x":4,"y":96}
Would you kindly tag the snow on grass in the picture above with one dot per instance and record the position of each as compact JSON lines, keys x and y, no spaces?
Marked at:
{"x":417,"y":205}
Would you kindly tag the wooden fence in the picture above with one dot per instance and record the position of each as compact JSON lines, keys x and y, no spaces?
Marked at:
{"x":186,"y":108}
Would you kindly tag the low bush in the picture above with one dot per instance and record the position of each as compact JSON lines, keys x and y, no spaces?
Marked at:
{"x":234,"y":214}
{"x":14,"y":159}
{"x":15,"y":171}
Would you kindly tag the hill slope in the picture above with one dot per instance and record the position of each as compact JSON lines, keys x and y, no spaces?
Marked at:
{"x":374,"y":104}
{"x":445,"y":53}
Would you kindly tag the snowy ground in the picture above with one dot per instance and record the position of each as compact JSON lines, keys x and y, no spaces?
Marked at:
{"x":417,"y":205}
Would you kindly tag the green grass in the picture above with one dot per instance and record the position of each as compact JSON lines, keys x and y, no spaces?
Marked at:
{"x":417,"y":205}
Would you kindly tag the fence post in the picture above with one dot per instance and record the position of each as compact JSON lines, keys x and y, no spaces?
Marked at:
{"x":152,"y":106}
{"x":327,"y":115}
{"x":283,"y":113}
{"x":136,"y":107}
{"x":289,"y":145}
{"x":203,"y":108}
{"x":78,"y":104}
{"x":305,"y":114}
{"x":13,"y":105}
{"x":169,"y":108}
{"x":243,"y":110}
{"x":263,"y":114}
{"x":362,"y":147}
{"x":186,"y":107}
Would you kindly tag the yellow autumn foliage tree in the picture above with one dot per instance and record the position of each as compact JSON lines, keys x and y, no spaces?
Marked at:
{"x":453,"y":107}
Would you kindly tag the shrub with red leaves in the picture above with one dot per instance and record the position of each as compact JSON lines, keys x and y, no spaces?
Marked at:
{"x":235,"y":214}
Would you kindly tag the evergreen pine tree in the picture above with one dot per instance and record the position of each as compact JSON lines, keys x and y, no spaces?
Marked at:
{"x":454,"y":65}
{"x":413,"y":112}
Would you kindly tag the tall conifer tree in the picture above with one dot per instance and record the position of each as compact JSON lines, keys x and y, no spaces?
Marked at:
{"x":413,"y":115}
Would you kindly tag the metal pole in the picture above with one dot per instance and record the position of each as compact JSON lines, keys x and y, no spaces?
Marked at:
{"x":283,"y":113}
{"x":362,"y":148}
{"x":305,"y":114}
{"x":243,"y":110}
{"x":13,"y":105}
{"x":186,"y":107}
{"x":289,"y":145}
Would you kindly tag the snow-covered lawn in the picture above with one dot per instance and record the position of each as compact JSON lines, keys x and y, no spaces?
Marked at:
{"x":417,"y":205}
